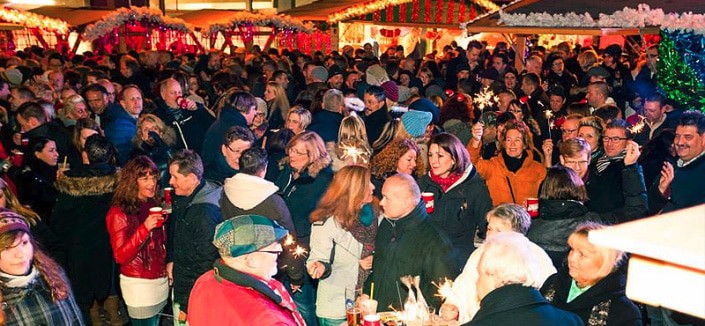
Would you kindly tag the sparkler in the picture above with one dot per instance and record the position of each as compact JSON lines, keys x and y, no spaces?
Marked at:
{"x":549,"y":117}
{"x":485,"y":99}
{"x":289,"y":241}
{"x":299,"y":252}
{"x":445,"y":290}
{"x":354,"y":153}
{"x":636,"y":128}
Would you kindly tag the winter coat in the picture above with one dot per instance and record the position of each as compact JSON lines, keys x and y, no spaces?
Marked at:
{"x":56,"y":132}
{"x":686,"y":188}
{"x":213,"y":140}
{"x":375,"y":122}
{"x":326,"y":124}
{"x":224,"y":296}
{"x":618,"y":193}
{"x":411,"y":245}
{"x":515,"y":304}
{"x":246,"y":194}
{"x":506,"y":186}
{"x":301,"y":195}
{"x":120,"y":130}
{"x":35,"y":186}
{"x":84,"y":199}
{"x":190,"y":126}
{"x":556,"y":221}
{"x":33,"y":304}
{"x":604,"y":303}
{"x":459,"y":211}
{"x":191,"y":227}
{"x":139,"y":252}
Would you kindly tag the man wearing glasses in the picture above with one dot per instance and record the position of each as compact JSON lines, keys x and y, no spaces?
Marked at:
{"x":240,"y":290}
{"x":615,"y":183}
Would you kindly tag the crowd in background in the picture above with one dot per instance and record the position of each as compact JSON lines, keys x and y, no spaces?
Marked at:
{"x":336,"y":149}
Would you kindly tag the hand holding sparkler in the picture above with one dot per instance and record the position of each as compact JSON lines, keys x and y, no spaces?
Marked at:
{"x":632,"y":154}
{"x":639,"y":126}
{"x":316,"y":269}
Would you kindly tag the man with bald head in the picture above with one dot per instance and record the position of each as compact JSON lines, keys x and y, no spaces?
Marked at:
{"x":189,"y":122}
{"x":408,"y":243}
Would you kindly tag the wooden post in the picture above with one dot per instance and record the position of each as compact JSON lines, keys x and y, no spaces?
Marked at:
{"x":519,"y":62}
{"x":123,"y":38}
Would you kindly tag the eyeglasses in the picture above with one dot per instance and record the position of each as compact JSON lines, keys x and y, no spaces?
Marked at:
{"x":276,"y":252}
{"x":233,"y":150}
{"x":296,"y":152}
{"x":612,"y":139}
{"x":574,"y":163}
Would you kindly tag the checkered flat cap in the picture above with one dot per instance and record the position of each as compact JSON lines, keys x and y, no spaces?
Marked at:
{"x":245,"y":234}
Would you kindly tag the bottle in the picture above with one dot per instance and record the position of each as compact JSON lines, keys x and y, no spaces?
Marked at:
{"x":167,"y":200}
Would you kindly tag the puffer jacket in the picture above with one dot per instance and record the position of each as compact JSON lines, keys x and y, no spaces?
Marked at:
{"x":506,"y":186}
{"x":557,"y":220}
{"x":460,"y":211}
{"x":139,"y":252}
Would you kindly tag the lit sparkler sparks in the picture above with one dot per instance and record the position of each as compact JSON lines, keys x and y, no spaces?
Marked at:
{"x":299,"y":252}
{"x":636,"y":128}
{"x":548,"y":114}
{"x":485,"y":99}
{"x":445,"y":290}
{"x":289,"y":241}
{"x":354,"y":153}
{"x":549,"y":117}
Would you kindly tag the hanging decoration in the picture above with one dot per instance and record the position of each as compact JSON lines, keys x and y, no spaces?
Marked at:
{"x":143,"y":15}
{"x":32,"y":20}
{"x":261,"y":19}
{"x":431,"y":12}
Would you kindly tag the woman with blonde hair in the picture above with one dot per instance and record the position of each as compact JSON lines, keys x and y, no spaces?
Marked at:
{"x":352,"y":146}
{"x":593,"y":284}
{"x":155,"y":140}
{"x":591,"y":129}
{"x":277,"y":105}
{"x":74,"y":109}
{"x":35,"y":290}
{"x":304,"y":177}
{"x":344,"y":227}
{"x":298,"y":119}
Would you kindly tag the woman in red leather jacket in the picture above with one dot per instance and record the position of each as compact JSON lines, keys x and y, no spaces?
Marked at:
{"x":138,"y":241}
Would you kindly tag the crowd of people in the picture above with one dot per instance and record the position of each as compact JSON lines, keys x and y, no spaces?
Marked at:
{"x":255,"y":187}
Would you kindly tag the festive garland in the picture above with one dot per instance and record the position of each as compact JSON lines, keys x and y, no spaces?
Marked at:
{"x":32,"y":20}
{"x":642,"y":16}
{"x":681,"y":71}
{"x":265,"y":19}
{"x":123,"y":15}
{"x":377,"y":5}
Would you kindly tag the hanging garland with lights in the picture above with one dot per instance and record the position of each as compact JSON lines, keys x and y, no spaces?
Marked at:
{"x":443,"y":10}
{"x":32,"y":20}
{"x":133,"y":14}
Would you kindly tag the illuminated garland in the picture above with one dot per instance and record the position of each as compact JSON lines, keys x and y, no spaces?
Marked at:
{"x":257,"y":19}
{"x":680,"y":70}
{"x":137,"y":14}
{"x":32,"y":20}
{"x":377,"y":5}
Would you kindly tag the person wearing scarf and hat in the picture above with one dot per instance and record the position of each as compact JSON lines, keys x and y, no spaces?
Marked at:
{"x":241,"y":290}
{"x":35,"y":290}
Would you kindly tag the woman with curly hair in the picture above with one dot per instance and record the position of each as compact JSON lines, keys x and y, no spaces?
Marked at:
{"x":456,"y":115}
{"x":35,"y":290}
{"x":344,"y":227}
{"x":155,"y":140}
{"x":277,"y":105}
{"x":138,"y":241}
{"x":400,"y":156}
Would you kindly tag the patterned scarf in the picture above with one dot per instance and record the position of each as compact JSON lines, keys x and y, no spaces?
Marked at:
{"x":365,"y":235}
{"x":603,"y":162}
{"x":286,"y":300}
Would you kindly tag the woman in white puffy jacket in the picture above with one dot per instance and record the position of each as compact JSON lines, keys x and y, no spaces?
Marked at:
{"x":342,"y":240}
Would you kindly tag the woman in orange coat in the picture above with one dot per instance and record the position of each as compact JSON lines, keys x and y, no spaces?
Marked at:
{"x":513,"y":175}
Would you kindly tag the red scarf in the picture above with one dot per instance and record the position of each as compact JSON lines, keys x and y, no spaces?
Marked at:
{"x":287,"y":302}
{"x":446,"y":182}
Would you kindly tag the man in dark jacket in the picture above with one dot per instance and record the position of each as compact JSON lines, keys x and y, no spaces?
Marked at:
{"x":239,"y":109}
{"x":85,"y":194}
{"x":408,"y":243}
{"x":123,"y":125}
{"x":327,"y":121}
{"x":249,"y":193}
{"x":376,"y":113}
{"x":32,"y":120}
{"x":190,"y":123}
{"x":195,"y":214}
{"x":507,"y":287}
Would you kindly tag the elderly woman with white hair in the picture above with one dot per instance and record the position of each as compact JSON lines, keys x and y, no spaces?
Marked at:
{"x":507,"y":282}
{"x":593,"y":285}
{"x":502,"y":218}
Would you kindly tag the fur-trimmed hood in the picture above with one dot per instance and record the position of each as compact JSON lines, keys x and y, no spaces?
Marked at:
{"x":90,"y":182}
{"x":314,"y":168}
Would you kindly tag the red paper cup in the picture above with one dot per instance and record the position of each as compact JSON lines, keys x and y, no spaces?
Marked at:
{"x":24,"y":141}
{"x":372,"y":320}
{"x":428,"y":201}
{"x":157,"y":211}
{"x":17,"y":159}
{"x":532,"y":206}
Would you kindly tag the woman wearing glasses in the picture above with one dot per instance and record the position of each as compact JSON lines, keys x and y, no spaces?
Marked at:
{"x":305,"y":175}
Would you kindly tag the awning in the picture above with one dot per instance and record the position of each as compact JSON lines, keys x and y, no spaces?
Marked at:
{"x":76,"y":17}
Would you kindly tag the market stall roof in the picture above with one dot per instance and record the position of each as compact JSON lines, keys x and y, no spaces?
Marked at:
{"x":77,"y":17}
{"x":10,"y":27}
{"x":319,"y":10}
{"x":490,"y":23}
{"x":203,"y":18}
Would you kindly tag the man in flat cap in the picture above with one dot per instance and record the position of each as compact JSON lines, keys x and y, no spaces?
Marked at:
{"x":240,"y":289}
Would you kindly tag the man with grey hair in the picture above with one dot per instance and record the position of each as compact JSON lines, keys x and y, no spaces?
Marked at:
{"x":196,"y":212}
{"x":507,"y":286}
{"x":408,"y":243}
{"x":502,"y":218}
{"x":327,"y":121}
{"x":190,"y":123}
